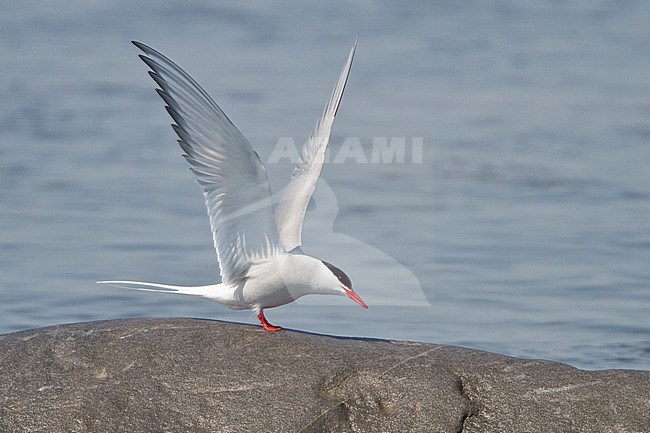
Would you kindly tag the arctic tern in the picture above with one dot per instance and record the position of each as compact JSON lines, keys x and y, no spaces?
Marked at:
{"x":259,"y":251}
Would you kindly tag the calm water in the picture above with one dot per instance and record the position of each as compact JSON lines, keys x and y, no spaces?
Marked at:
{"x":524,"y":228}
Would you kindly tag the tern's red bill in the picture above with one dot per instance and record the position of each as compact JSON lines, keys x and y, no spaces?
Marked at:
{"x":356,"y":298}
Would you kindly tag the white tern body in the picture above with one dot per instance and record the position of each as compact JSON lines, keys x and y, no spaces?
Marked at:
{"x":259,"y":250}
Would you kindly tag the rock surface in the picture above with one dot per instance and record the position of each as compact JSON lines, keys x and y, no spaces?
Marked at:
{"x":188,"y":375}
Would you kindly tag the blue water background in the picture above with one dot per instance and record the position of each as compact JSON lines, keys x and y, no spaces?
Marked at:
{"x":526,"y":224}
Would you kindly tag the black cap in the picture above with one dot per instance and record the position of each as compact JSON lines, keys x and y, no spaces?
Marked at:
{"x":343,"y":278}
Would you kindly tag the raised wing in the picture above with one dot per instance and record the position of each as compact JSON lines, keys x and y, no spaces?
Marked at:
{"x":234,"y":181}
{"x":290,"y":213}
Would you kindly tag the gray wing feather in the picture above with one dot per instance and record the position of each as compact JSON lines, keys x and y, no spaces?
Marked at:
{"x":290,"y":213}
{"x":234,"y":181}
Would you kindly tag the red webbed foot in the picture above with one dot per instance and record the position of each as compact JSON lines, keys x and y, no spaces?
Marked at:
{"x":266,"y":325}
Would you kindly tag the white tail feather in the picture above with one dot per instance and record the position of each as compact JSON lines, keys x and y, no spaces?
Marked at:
{"x":213,"y":292}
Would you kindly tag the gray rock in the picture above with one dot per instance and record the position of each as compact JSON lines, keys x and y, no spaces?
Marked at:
{"x":188,"y":375}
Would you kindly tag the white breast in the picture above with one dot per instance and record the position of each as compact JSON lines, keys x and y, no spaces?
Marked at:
{"x":280,"y":280}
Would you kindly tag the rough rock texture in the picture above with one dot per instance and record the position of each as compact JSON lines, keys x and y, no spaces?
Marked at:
{"x":187,"y":375}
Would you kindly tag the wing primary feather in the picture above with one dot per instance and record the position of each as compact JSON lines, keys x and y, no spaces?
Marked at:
{"x":290,"y":213}
{"x":193,"y":84}
{"x":234,"y":181}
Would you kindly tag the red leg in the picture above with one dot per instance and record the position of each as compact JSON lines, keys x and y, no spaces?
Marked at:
{"x":265,"y":323}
